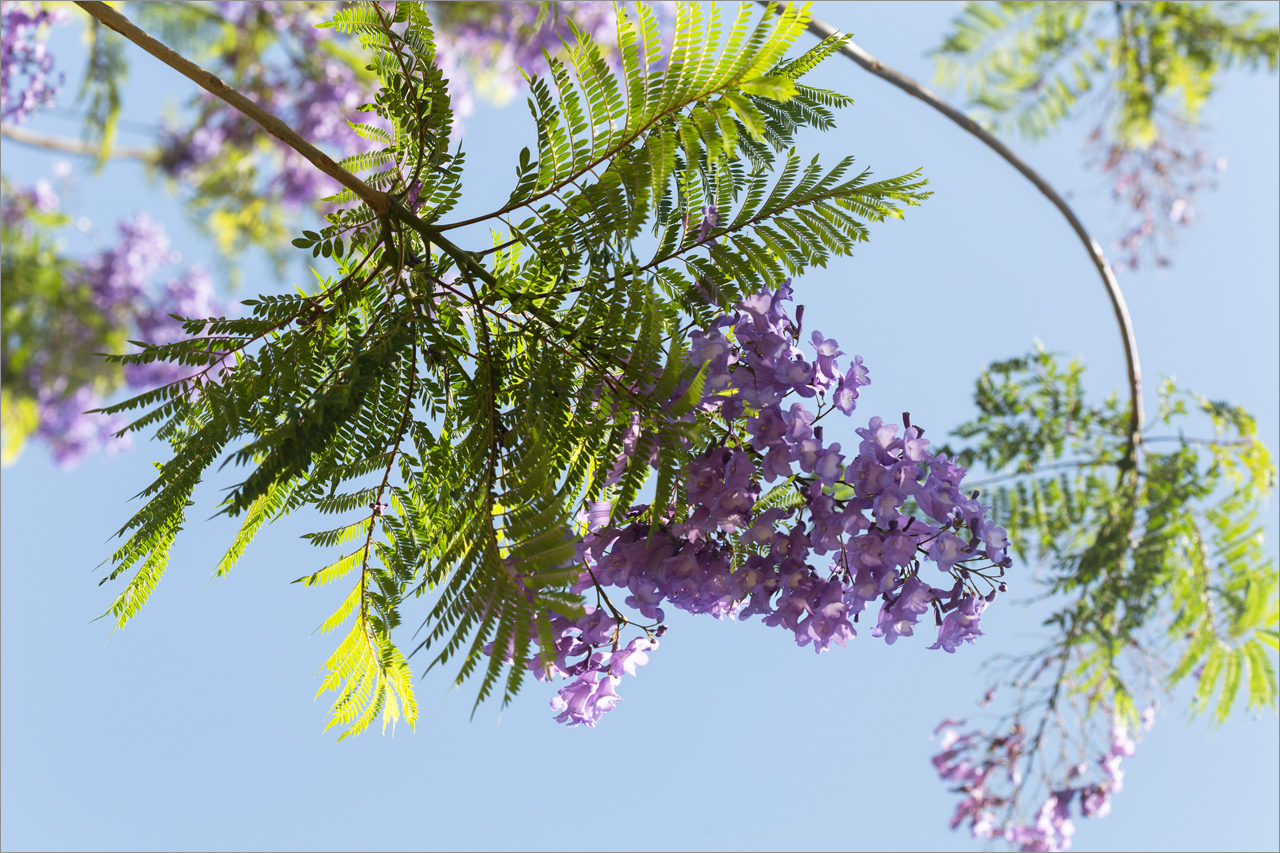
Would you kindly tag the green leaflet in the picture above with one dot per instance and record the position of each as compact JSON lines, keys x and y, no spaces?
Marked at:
{"x":371,"y":677}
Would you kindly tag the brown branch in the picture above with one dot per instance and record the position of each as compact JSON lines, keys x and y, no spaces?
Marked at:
{"x":911,"y":87}
{"x":70,"y":146}
{"x":109,"y":17}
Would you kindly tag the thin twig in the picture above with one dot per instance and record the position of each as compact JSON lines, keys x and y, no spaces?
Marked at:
{"x":1054,"y":466}
{"x":376,"y":199}
{"x":70,"y":146}
{"x":1208,"y":442}
{"x":1136,"y":416}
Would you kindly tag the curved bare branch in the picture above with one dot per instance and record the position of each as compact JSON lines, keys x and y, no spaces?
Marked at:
{"x":1136,"y":416}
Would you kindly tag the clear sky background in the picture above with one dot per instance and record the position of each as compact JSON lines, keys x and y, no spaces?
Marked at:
{"x":194,"y":727}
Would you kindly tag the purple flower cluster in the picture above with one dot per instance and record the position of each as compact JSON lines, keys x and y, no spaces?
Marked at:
{"x":591,"y":692}
{"x":17,"y":205}
{"x":121,"y":303}
{"x":119,"y":281}
{"x":594,"y":640}
{"x":118,"y":277}
{"x":854,"y":506}
{"x":65,"y":423}
{"x":189,"y":295}
{"x":25,"y":53}
{"x":970,"y":761}
{"x":310,"y":90}
{"x":732,"y":552}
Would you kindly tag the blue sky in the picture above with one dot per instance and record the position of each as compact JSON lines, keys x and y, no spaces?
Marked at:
{"x":194,"y":727}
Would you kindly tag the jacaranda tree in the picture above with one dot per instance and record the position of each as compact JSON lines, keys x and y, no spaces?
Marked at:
{"x":540,"y":444}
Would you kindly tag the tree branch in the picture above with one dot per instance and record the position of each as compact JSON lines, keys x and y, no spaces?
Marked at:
{"x":1136,"y":416}
{"x":1208,"y":442}
{"x":109,"y":17}
{"x":70,"y":146}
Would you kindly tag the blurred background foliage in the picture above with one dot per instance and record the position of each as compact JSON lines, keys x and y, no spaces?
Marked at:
{"x":1140,"y":72}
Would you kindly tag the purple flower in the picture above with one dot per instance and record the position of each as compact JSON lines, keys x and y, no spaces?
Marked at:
{"x":897,"y":619}
{"x":586,"y":699}
{"x":947,"y":550}
{"x":645,"y":597}
{"x":190,"y":296}
{"x":799,"y":423}
{"x":1121,"y":743}
{"x":828,"y":621}
{"x":826,"y":374}
{"x":1111,"y":766}
{"x":1095,"y":801}
{"x":635,"y":654}
{"x":71,"y":430}
{"x":762,"y":530}
{"x":768,"y":429}
{"x":711,"y":348}
{"x":961,"y":624}
{"x":706,"y":478}
{"x":710,"y":221}
{"x":24,"y":29}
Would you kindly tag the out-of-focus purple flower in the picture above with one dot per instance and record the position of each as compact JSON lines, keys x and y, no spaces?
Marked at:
{"x":970,"y":761}
{"x":1121,"y":743}
{"x":24,"y":52}
{"x":1111,"y":766}
{"x":71,"y":430}
{"x":1155,"y":186}
{"x":1054,"y":820}
{"x":486,"y":54}
{"x":17,"y":204}
{"x":118,"y":281}
{"x":983,"y":826}
{"x":1095,"y":801}
{"x":118,"y":276}
{"x":190,"y":296}
{"x":44,"y":199}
